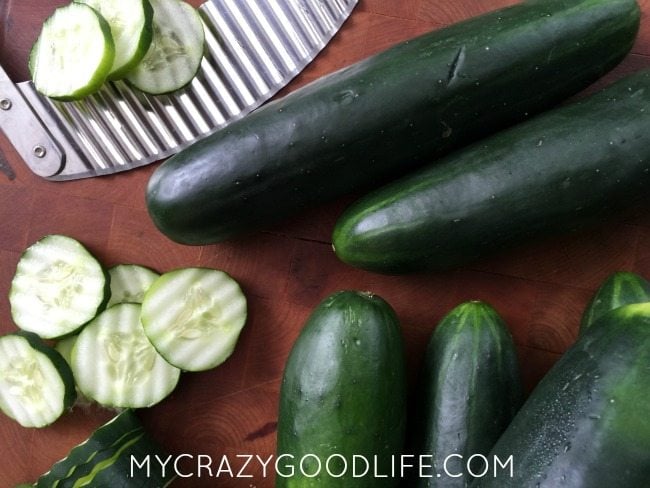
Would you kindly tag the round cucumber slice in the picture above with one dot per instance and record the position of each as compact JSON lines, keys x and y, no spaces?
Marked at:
{"x":115,"y":364}
{"x":129,"y":282}
{"x":193,"y":317}
{"x":176,"y":50}
{"x":36,"y":384}
{"x":73,"y":53}
{"x":57,"y":288}
{"x":130,"y":22}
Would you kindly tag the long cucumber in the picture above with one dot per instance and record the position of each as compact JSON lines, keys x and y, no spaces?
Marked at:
{"x":388,"y":114}
{"x":558,"y":172}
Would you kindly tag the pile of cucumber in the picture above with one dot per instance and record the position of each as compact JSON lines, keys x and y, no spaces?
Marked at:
{"x":123,"y":335}
{"x":408,"y":106}
{"x":154,"y":45}
{"x":585,"y":425}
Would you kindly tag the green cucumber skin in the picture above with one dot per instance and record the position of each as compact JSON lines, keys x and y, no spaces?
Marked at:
{"x":586,"y":424}
{"x":470,"y":389}
{"x":344,"y":390}
{"x":143,"y":43}
{"x":370,"y":121}
{"x":620,"y":288}
{"x":565,"y":169}
{"x":59,"y":363}
{"x":124,"y":431}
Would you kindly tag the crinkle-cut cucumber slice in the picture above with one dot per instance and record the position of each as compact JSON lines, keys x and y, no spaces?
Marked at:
{"x":193,"y":316}
{"x":36,"y":384}
{"x":57,"y":288}
{"x":73,"y":53}
{"x":176,"y":50}
{"x":129,"y":282}
{"x":131,"y":27}
{"x":115,"y":364}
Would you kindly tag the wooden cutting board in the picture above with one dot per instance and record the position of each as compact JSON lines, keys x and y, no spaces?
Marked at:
{"x":540,"y":289}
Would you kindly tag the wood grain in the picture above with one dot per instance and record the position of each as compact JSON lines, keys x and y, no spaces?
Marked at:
{"x":286,"y":270}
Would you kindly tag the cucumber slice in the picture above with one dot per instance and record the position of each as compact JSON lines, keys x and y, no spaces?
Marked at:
{"x":129,"y":282}
{"x":73,"y":53}
{"x":193,"y":317}
{"x":57,"y":288}
{"x":36,"y":384}
{"x":131,"y":27}
{"x":115,"y":364}
{"x":176,"y":49}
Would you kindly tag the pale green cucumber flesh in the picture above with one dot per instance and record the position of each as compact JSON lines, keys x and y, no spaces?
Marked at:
{"x":194,"y":316}
{"x":176,"y":49}
{"x":129,"y":283}
{"x":115,"y":364}
{"x":130,"y":22}
{"x":73,"y":54}
{"x":36,"y":385}
{"x":57,"y":288}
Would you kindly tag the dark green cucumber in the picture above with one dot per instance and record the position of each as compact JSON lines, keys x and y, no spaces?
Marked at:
{"x":343,"y":395}
{"x":106,"y":459}
{"x":586,"y":424}
{"x":565,"y":169}
{"x":387,"y":114}
{"x":621,"y":288}
{"x":470,"y":390}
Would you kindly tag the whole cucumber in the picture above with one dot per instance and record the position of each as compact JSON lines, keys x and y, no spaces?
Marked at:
{"x":586,"y":424}
{"x":387,"y":114}
{"x":343,"y":398}
{"x":620,"y":288}
{"x":469,"y":391}
{"x":558,"y":172}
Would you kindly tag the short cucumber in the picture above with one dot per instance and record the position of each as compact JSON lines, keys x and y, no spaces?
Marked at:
{"x":586,"y":424}
{"x":193,"y":317}
{"x":57,"y":288}
{"x":343,"y":393}
{"x":558,"y":172}
{"x":176,"y":49}
{"x":130,"y":22}
{"x":115,"y":364}
{"x":387,"y":114}
{"x":73,"y":54}
{"x":621,"y":288}
{"x":129,"y":283}
{"x":469,"y":391}
{"x":36,"y":384}
{"x":105,"y":459}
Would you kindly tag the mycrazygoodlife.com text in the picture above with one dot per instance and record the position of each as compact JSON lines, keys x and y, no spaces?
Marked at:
{"x":312,"y":465}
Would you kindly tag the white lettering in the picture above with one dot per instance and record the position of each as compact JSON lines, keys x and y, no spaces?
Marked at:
{"x":355,"y":474}
{"x":318,"y":463}
{"x":264,"y":464}
{"x":486,"y":465}
{"x":444,"y":465}
{"x":224,"y":467}
{"x":176,"y":468}
{"x":146,"y":462}
{"x":248,"y":458}
{"x":292,"y":469}
{"x":510,"y":461}
{"x":343,"y":460}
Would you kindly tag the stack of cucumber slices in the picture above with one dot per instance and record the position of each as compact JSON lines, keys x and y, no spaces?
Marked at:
{"x":154,"y":45}
{"x":123,"y":335}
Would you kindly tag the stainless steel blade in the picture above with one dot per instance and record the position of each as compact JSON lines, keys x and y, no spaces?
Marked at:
{"x":253,"y":49}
